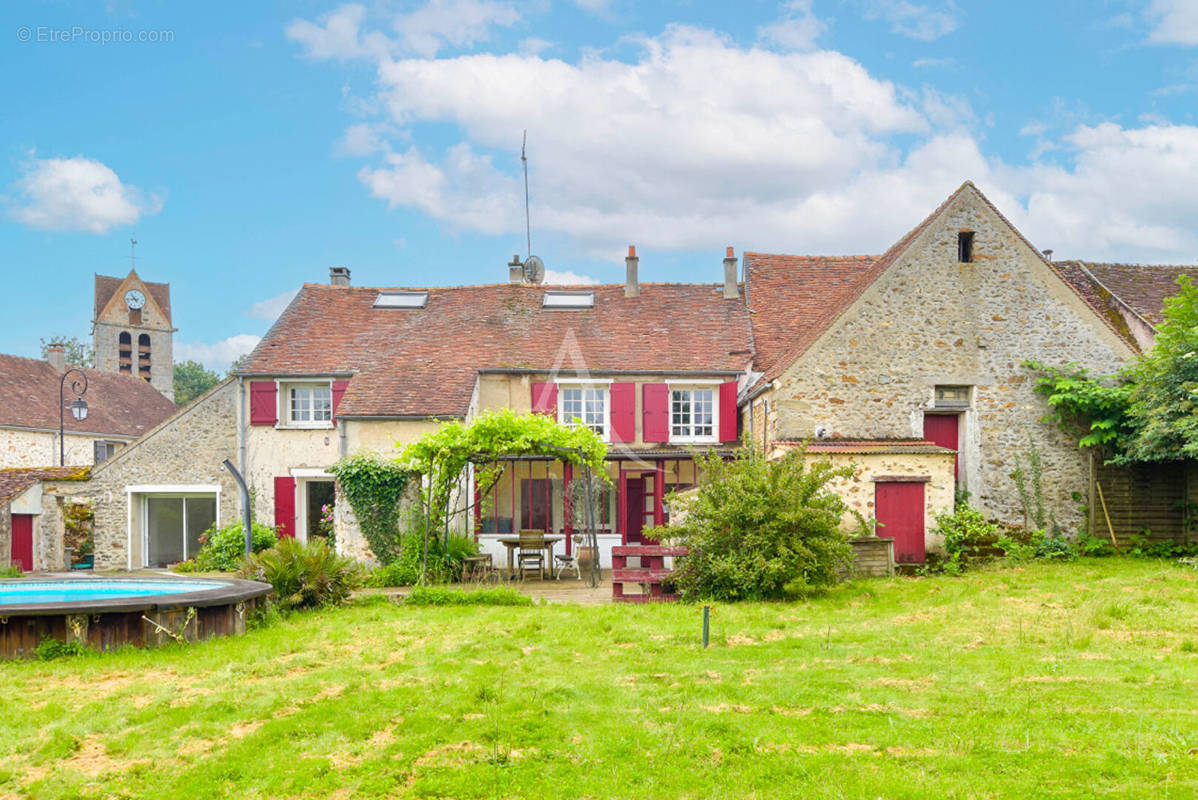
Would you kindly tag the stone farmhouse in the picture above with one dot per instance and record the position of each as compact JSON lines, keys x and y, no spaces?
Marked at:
{"x":907,"y":364}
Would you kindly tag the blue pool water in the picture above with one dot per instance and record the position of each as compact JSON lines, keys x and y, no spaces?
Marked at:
{"x":84,"y":590}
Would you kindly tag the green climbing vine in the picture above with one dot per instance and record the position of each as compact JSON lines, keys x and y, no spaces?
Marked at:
{"x":374,"y":486}
{"x":443,"y":455}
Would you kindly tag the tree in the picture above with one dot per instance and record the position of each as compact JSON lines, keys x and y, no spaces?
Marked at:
{"x":1164,"y":399}
{"x":192,"y":380}
{"x":761,"y":528}
{"x":78,"y":353}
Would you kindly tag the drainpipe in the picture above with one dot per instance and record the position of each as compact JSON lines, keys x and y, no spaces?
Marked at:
{"x":241,"y":435}
{"x":341,"y":425}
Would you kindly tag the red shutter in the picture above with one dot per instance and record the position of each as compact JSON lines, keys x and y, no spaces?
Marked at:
{"x":623,"y":412}
{"x":655,"y":405}
{"x":728,"y":415}
{"x":544,"y":399}
{"x":264,"y":403}
{"x":339,"y":388}
{"x":285,"y":506}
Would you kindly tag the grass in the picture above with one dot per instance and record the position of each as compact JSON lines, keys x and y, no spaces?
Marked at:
{"x":1052,"y":680}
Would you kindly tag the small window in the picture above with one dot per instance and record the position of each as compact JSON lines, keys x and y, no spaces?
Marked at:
{"x":952,"y":397}
{"x":102,"y":451}
{"x":143,"y":356}
{"x":125,"y":352}
{"x":310,"y":405}
{"x":965,"y":247}
{"x":401,"y":300}
{"x":561,"y":299}
{"x":584,"y":405}
{"x":692,"y":415}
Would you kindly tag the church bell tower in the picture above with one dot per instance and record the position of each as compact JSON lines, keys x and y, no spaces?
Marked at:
{"x":132,"y":329}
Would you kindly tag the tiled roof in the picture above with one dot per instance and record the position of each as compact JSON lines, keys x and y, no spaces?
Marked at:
{"x":796,"y":298}
{"x":1143,"y":287}
{"x":15,"y":481}
{"x":424,"y":362}
{"x":106,"y":285}
{"x":120,"y":405}
{"x":870,"y":447}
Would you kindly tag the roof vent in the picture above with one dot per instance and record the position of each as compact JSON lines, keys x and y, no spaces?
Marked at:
{"x":401,"y":300}
{"x":565,"y":299}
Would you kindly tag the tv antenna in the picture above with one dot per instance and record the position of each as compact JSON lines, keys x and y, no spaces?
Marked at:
{"x":533,"y":266}
{"x":132,"y":250}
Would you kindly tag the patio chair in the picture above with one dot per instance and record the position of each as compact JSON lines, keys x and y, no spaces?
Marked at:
{"x":531,"y":552}
{"x":567,"y":562}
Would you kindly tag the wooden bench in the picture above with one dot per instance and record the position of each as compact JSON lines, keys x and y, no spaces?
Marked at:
{"x":650,"y":576}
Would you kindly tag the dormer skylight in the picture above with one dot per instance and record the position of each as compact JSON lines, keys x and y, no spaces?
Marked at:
{"x":401,"y":300}
{"x":558,"y":298}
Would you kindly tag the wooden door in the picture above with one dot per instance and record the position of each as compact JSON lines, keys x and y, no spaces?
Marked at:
{"x":22,"y":541}
{"x":899,"y":510}
{"x":634,"y":498}
{"x":944,"y":430}
{"x":534,"y":504}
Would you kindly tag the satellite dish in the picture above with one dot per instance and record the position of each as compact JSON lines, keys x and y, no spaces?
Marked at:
{"x":534,"y":269}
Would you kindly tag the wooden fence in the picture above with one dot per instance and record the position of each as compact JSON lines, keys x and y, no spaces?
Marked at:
{"x":1151,"y":500}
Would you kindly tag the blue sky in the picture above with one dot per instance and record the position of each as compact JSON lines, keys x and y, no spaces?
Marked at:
{"x":249,"y":147}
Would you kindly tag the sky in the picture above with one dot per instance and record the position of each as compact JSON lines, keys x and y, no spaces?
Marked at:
{"x":248,"y":147}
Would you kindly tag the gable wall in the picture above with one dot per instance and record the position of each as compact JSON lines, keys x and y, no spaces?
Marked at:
{"x":931,"y":320}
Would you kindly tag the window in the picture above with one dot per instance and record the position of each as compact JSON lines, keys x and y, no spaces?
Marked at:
{"x":174,"y":525}
{"x":310,"y":405}
{"x":952,"y":397}
{"x":584,"y":405}
{"x":143,"y":356}
{"x":125,"y":352}
{"x":401,"y":300}
{"x":692,"y":414}
{"x":557,"y":298}
{"x":102,"y":450}
{"x":965,"y":247}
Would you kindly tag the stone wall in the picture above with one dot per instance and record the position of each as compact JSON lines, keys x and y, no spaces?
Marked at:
{"x":187,"y":450}
{"x":931,"y":320}
{"x":107,"y":343}
{"x":29,"y":448}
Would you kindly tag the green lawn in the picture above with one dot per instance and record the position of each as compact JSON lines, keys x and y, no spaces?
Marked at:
{"x":1055,"y":680}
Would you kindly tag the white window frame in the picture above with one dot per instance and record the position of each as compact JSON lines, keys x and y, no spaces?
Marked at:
{"x":143,"y":492}
{"x":284,"y":394}
{"x":695,"y":386}
{"x":583,"y":384}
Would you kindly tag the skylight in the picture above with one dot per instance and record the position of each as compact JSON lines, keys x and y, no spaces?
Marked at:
{"x":555,"y":298}
{"x":401,"y":300}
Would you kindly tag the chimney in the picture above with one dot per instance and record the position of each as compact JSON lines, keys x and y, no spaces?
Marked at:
{"x":339,"y":276}
{"x":631,"y":287}
{"x":515,"y":271}
{"x":56,"y":354}
{"x":731,"y":289}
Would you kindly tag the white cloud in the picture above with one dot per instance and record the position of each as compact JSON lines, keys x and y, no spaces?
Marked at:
{"x":533,"y":46}
{"x":930,"y":63}
{"x":78,"y":194}
{"x":219,"y":355}
{"x":913,"y":20}
{"x":797,"y":29}
{"x":594,"y":6}
{"x":272,"y":307}
{"x":802,"y":152}
{"x":424,"y":31}
{"x":363,"y":139}
{"x":555,"y":277}
{"x":1173,"y":21}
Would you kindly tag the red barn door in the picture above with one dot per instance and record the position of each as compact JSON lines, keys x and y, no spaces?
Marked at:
{"x":899,"y":509}
{"x":22,"y":541}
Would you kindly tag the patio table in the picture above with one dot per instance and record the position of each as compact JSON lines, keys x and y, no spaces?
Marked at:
{"x":512,"y":542}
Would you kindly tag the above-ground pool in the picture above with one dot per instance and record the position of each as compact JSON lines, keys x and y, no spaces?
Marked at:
{"x":107,"y":612}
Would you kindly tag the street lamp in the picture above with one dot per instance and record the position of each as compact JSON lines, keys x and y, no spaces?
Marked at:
{"x":78,"y":407}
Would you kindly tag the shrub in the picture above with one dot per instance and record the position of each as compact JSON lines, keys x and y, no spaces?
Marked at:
{"x":1022,"y":546}
{"x":50,"y":648}
{"x":443,"y":565}
{"x":224,"y":548}
{"x":760,"y":528}
{"x":442,"y":596}
{"x":305,"y":575}
{"x":965,"y":530}
{"x":11,"y":571}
